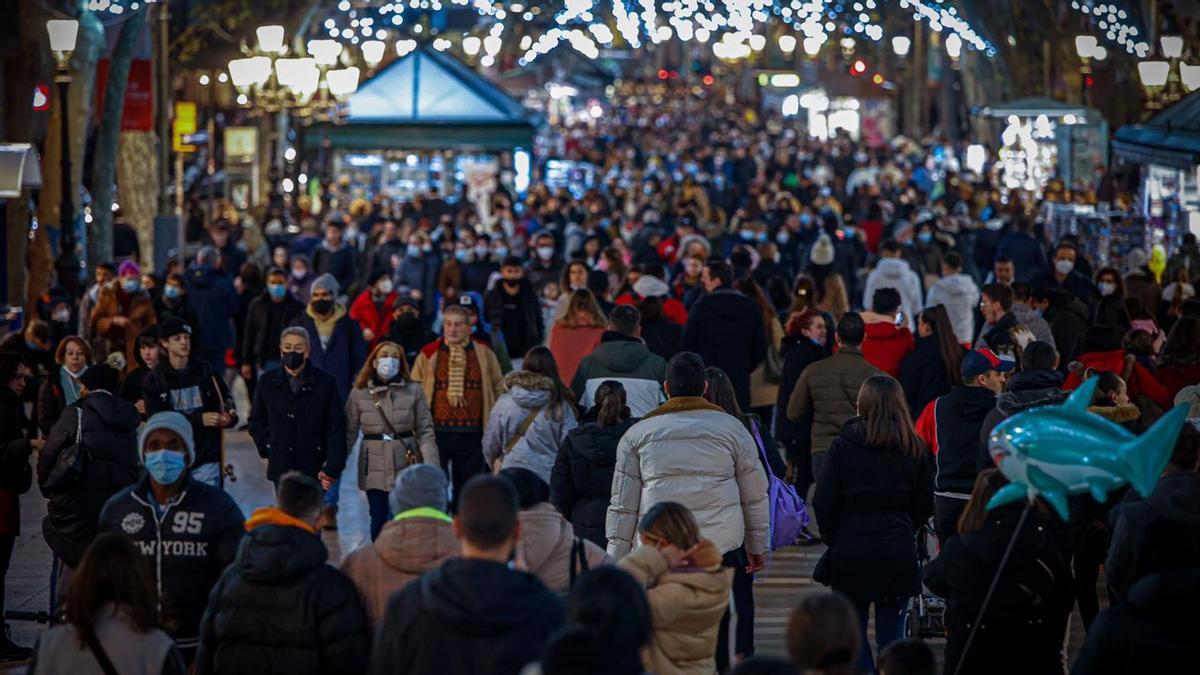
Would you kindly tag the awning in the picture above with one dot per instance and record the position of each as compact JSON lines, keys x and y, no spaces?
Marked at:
{"x":1170,"y":138}
{"x":1038,"y":105}
{"x":20,"y":168}
{"x":429,"y":99}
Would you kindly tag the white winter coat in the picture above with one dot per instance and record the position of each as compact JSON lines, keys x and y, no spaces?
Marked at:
{"x":959,"y":294}
{"x":898,"y":274}
{"x":691,"y":452}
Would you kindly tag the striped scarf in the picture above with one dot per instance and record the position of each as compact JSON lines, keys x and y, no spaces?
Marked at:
{"x":455,"y":376}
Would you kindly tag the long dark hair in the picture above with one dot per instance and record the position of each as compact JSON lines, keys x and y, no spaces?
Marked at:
{"x":112,"y":572}
{"x":749,"y":287}
{"x":987,"y":484}
{"x":541,"y":361}
{"x":951,"y":351}
{"x":885,"y":414}
{"x":610,"y":404}
{"x":1111,"y":311}
{"x":720,"y":393}
{"x":1182,"y":347}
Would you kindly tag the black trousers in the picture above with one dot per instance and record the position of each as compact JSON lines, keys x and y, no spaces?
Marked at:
{"x":799,"y":458}
{"x":7,"y":542}
{"x":462,"y":459}
{"x":946,"y":511}
{"x":743,"y":602}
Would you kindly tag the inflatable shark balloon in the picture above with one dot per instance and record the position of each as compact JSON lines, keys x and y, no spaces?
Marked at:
{"x":1056,"y":451}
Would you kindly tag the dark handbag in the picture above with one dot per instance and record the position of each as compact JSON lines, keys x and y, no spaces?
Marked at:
{"x":579,"y":561}
{"x":411,"y":455}
{"x":71,"y":462}
{"x":773,"y":364}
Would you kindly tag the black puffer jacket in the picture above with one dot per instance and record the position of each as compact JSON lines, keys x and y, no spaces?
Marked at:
{"x":279,"y":608}
{"x":109,"y":434}
{"x":1022,"y":631}
{"x":870,"y":502}
{"x":581,"y":483}
{"x":801,"y":354}
{"x":1155,"y":632}
{"x":1159,"y":533}
{"x":726,"y":329}
{"x":923,"y":375}
{"x":467,"y":617}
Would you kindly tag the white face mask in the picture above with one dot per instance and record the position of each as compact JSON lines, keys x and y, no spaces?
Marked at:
{"x":384,"y":286}
{"x":1064,"y":266}
{"x":1107,"y":287}
{"x":545,"y":252}
{"x":387,"y":367}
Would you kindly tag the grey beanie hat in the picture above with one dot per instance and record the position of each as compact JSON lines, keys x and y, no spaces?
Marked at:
{"x":327,"y":282}
{"x":173,"y":422}
{"x":420,"y":485}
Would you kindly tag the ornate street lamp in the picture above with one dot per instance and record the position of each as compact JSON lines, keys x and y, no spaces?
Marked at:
{"x":63,"y":33}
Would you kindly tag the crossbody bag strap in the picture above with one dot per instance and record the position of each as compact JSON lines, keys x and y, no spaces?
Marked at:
{"x":93,"y":644}
{"x":520,"y":433}
{"x":386,"y":422}
{"x":762,"y":447}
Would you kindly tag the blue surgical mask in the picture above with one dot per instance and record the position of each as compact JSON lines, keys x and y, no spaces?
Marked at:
{"x":171,"y":292}
{"x":805,"y":219}
{"x":165,"y":466}
{"x":277,"y":290}
{"x":413,"y":250}
{"x":501,"y":252}
{"x":131,"y":285}
{"x":925,"y":237}
{"x":848,"y":230}
{"x":461,"y":254}
{"x":747,"y":235}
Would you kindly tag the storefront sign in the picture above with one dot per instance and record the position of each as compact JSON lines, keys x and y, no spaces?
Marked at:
{"x":183,"y":124}
{"x":138,"y":113}
{"x":241,"y":144}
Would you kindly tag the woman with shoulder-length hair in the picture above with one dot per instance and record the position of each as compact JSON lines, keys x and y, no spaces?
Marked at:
{"x":931,"y":369}
{"x":577,"y":332}
{"x":397,"y":426}
{"x":111,"y":614}
{"x":1033,"y":597}
{"x":62,"y":387}
{"x":581,"y":481}
{"x":874,"y":492}
{"x":763,"y":391}
{"x":531,"y":419}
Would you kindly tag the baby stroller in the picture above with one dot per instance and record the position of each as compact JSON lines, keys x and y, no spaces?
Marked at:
{"x":926,"y":611}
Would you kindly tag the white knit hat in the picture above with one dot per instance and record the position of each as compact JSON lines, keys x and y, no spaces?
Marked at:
{"x":651,"y":287}
{"x":821,"y":252}
{"x":173,"y":422}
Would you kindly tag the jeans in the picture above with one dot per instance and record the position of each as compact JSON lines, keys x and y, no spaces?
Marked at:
{"x":380,"y":510}
{"x":333,"y":493}
{"x":946,"y":511}
{"x":463,"y":454}
{"x":209,"y":474}
{"x":889,"y":628}
{"x":743,"y":606}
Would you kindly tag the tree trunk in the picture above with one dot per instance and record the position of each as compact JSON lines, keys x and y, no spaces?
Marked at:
{"x":104,"y":163}
{"x":89,"y":44}
{"x":137,"y":187}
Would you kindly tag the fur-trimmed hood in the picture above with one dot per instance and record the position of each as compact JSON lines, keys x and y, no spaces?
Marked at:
{"x":1117,"y":413}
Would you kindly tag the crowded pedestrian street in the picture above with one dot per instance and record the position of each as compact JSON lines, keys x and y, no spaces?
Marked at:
{"x":668,"y":337}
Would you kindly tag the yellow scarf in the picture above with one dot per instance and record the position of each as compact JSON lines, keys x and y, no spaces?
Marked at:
{"x":325,"y":326}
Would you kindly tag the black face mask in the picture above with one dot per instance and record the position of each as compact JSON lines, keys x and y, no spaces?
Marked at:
{"x":292,"y":360}
{"x":322,"y":307}
{"x":512,"y":283}
{"x":407,"y":321}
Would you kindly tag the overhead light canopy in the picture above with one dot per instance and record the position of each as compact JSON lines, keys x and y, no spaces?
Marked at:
{"x":1153,"y":73}
{"x":342,"y":82}
{"x":954,"y":45}
{"x":901,"y":44}
{"x":1190,"y":76}
{"x":250,"y":72}
{"x":62,"y":34}
{"x":1172,"y":46}
{"x":1085,"y":45}
{"x":787,"y":43}
{"x":326,"y":52}
{"x":372,"y":51}
{"x":270,"y":39}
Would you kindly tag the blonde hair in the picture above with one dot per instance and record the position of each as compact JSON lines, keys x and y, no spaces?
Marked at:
{"x":583,"y":301}
{"x":368,"y":370}
{"x":60,"y":354}
{"x":670,"y":522}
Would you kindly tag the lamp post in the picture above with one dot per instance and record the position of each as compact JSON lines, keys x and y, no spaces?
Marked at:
{"x":1089,"y":49}
{"x":63,"y":33}
{"x":1172,"y":51}
{"x":901,"y":44}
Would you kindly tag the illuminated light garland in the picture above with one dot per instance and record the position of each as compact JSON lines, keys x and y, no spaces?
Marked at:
{"x":1114,"y":24}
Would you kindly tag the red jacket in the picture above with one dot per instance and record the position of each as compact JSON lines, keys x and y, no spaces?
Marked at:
{"x":371,"y":318}
{"x":672,"y":308}
{"x":1139,"y":382}
{"x":886,"y":346}
{"x":1175,"y":378}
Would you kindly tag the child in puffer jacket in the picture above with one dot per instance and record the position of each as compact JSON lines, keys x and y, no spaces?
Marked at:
{"x":686,"y":586}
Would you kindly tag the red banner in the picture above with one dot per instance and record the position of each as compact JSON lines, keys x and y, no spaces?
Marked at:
{"x":138,"y":114}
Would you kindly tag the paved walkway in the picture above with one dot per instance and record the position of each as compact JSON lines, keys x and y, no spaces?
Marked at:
{"x":788,"y":575}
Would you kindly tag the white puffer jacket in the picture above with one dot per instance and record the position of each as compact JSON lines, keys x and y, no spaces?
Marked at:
{"x":959,"y":294}
{"x":691,"y":452}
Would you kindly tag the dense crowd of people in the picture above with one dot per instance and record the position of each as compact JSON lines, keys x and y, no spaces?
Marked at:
{"x":583,"y":419}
